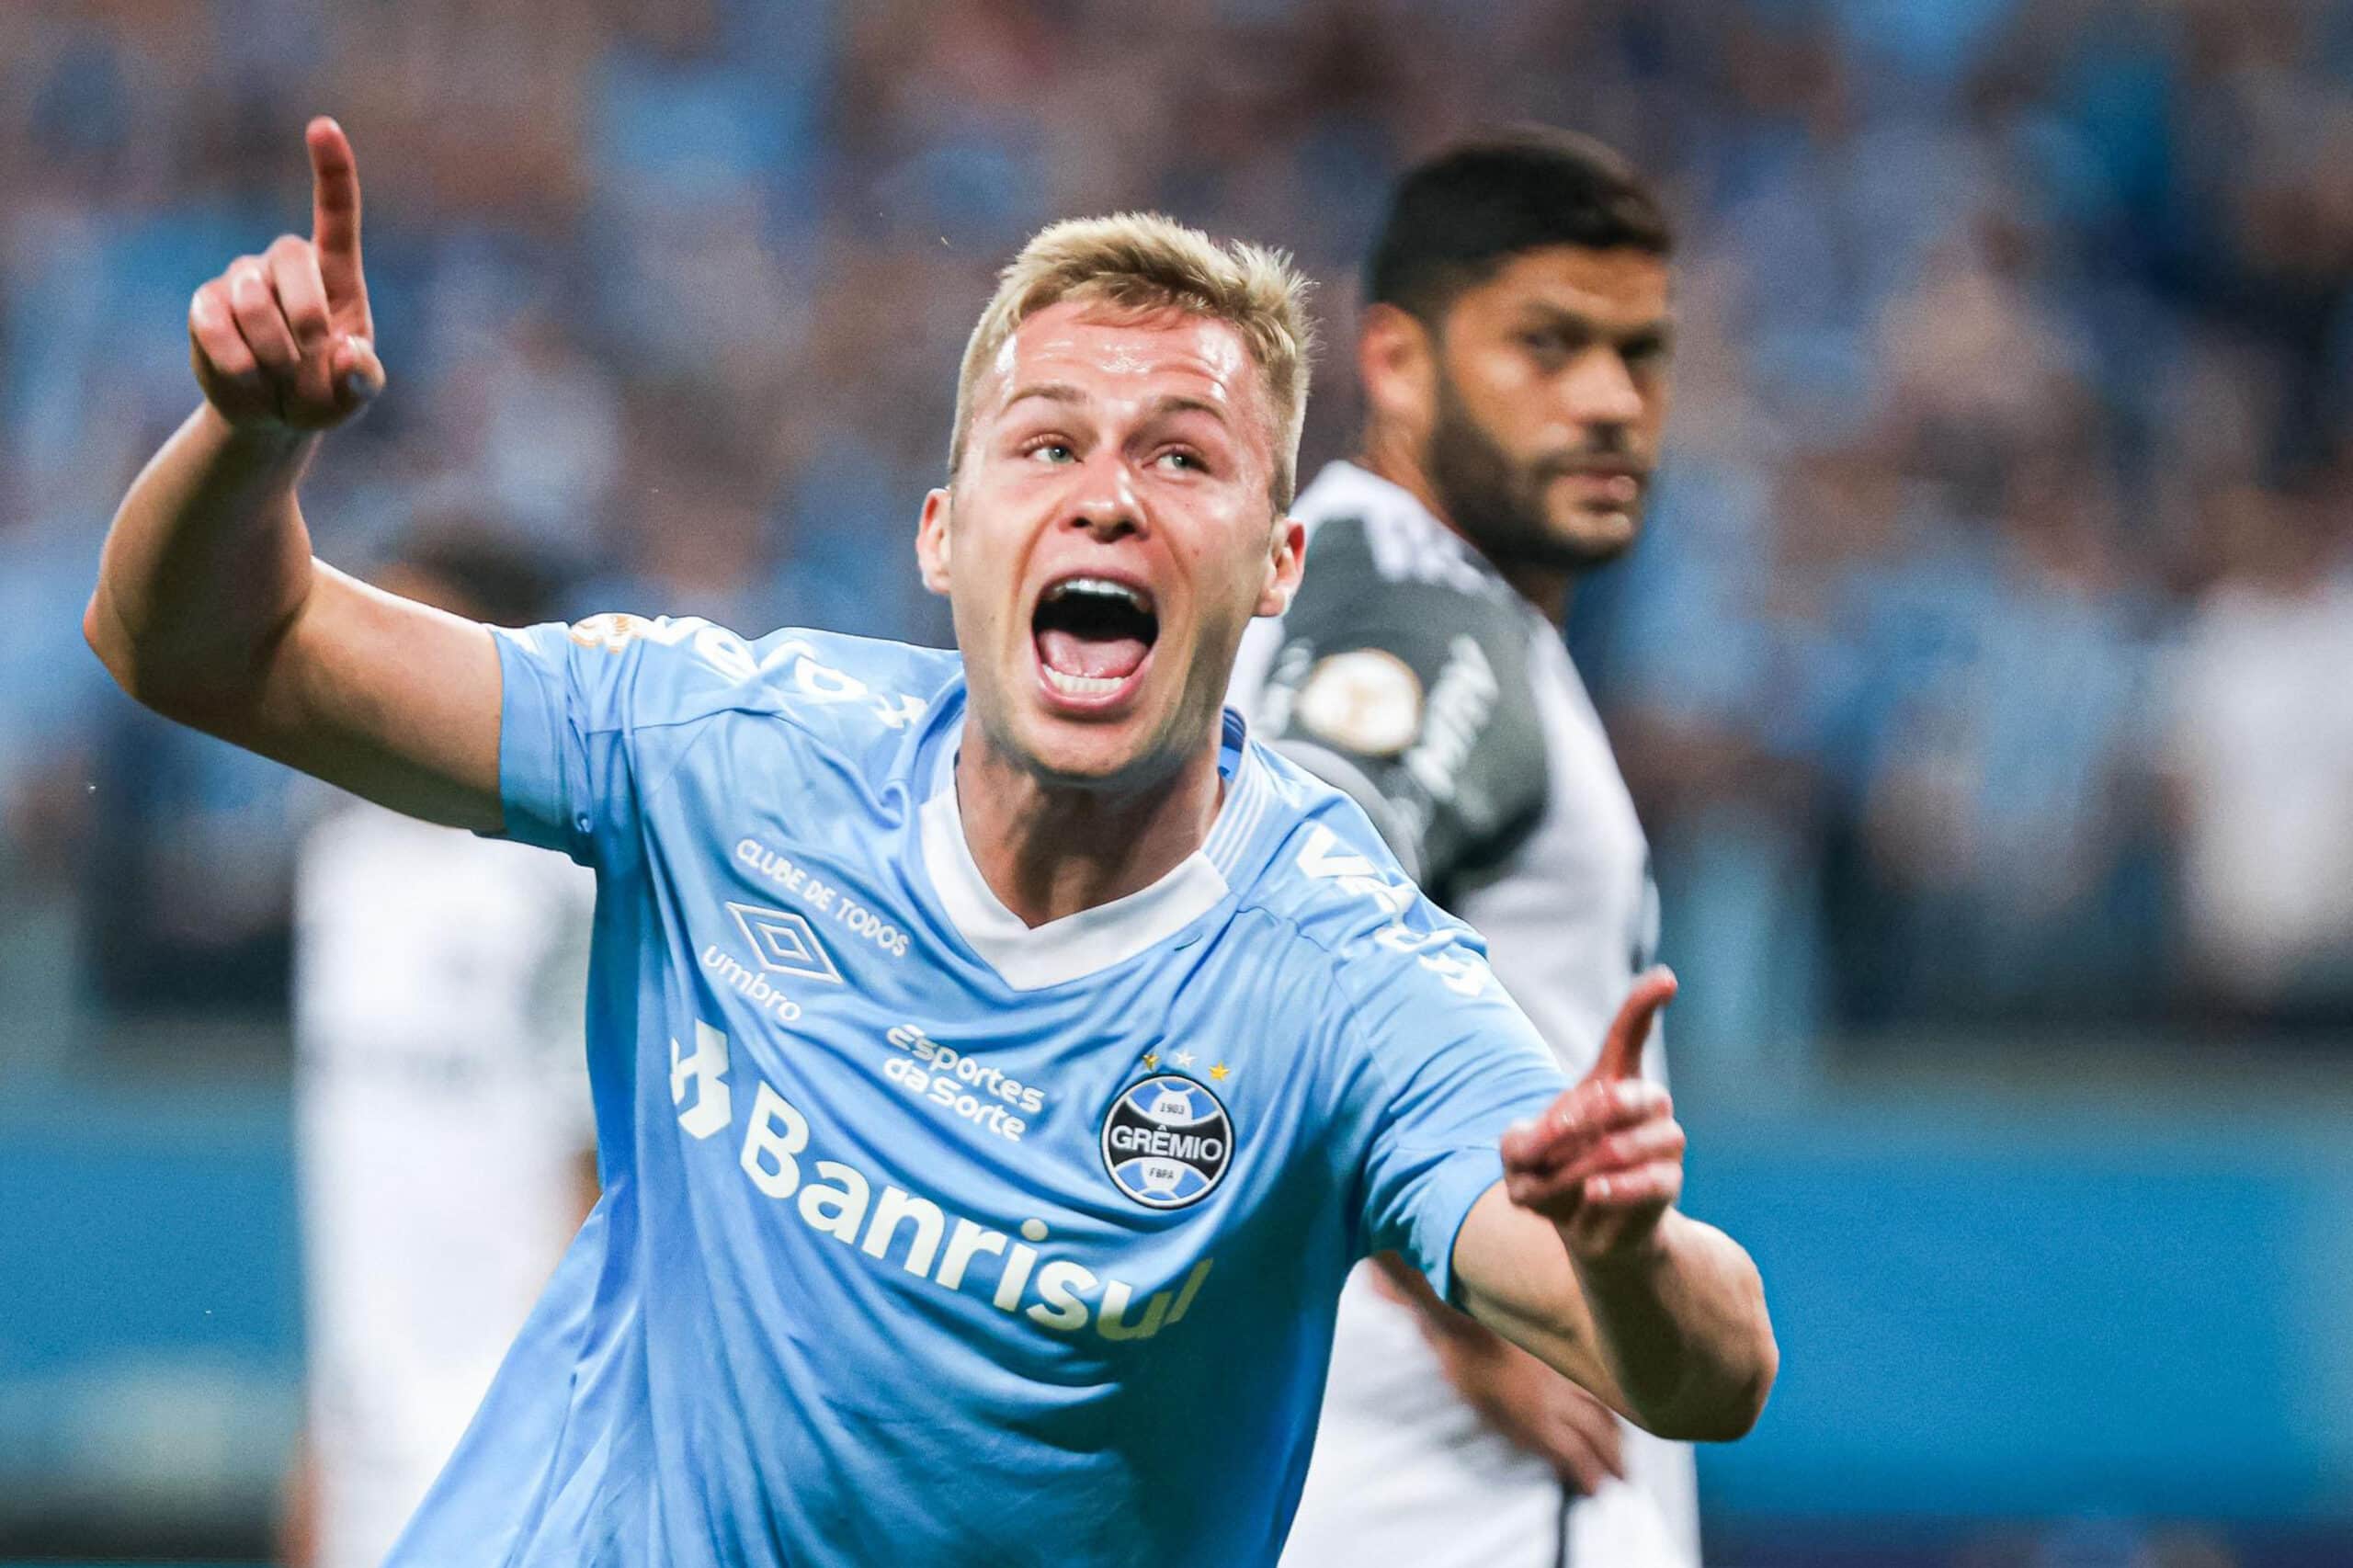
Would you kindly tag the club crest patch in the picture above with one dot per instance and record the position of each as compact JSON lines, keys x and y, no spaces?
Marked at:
{"x":1166,"y":1141}
{"x":1367,"y":701}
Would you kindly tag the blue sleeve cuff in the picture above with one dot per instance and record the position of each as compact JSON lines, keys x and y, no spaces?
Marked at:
{"x":533,"y":760}
{"x":1454,"y":1188}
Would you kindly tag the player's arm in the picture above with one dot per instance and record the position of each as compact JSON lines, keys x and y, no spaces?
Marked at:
{"x":1580,"y":1256}
{"x":1393,"y":692}
{"x":210,"y":607}
{"x":1515,"y":1393}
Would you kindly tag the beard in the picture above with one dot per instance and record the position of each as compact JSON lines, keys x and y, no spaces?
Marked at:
{"x":1499,"y":503}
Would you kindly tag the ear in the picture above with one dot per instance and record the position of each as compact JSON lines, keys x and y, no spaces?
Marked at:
{"x":933,"y":541}
{"x":1397,"y":366}
{"x":1286,"y":560}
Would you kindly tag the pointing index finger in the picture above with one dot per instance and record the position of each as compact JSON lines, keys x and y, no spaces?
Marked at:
{"x":334,"y":214}
{"x":1621,"y":1049}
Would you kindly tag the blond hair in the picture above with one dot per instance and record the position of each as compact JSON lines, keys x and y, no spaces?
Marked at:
{"x":1141,"y":261}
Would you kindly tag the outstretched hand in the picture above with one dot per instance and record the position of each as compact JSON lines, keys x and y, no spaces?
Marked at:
{"x":284,"y":338}
{"x":1605,"y":1161}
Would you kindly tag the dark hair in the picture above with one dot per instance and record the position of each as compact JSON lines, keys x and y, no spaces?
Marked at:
{"x":1458,"y":217}
{"x":500,"y":579}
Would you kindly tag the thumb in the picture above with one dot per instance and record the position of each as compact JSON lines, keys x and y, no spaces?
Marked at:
{"x":359,"y":374}
{"x":1621,"y":1048}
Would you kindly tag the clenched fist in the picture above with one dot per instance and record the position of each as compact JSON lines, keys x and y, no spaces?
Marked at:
{"x":284,"y":338}
{"x":1605,"y":1161}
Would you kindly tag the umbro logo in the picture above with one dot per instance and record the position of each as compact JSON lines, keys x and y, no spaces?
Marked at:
{"x":784,"y":943}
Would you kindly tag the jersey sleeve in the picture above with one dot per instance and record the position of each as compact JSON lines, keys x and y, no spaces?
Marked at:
{"x":572,"y":698}
{"x":1455,"y":1077}
{"x":1394,"y":692}
{"x":1439,"y":1060}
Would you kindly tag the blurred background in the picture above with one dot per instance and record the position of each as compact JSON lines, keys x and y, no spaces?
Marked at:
{"x":1985,"y":674}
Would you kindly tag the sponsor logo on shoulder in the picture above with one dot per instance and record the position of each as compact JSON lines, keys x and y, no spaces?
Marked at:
{"x":1460,"y":704}
{"x":1367,"y":701}
{"x":1324,"y":857}
{"x":1168,"y":1141}
{"x":613,"y":631}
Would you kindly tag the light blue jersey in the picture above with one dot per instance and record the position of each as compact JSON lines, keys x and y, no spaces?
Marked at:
{"x":928,"y":1237}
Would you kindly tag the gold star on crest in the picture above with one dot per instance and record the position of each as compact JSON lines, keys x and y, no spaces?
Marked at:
{"x":1221,"y":1072}
{"x":1152,"y":1060}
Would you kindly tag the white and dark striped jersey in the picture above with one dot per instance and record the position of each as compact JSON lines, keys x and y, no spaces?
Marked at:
{"x":1411,"y":675}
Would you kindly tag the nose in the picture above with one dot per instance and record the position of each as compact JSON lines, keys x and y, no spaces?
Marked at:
{"x":1598,"y":395}
{"x":1105,"y":501}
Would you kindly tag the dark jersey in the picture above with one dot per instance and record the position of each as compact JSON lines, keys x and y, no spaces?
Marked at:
{"x":1409,"y":674}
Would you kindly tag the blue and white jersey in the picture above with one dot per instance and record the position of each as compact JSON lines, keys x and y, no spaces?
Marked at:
{"x":928,"y":1236}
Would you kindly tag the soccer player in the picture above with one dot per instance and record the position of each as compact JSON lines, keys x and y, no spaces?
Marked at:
{"x":1514,"y":353}
{"x":443,"y":1135}
{"x":998,"y":1057}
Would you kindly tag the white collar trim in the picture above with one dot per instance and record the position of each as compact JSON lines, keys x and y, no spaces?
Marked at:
{"x":1032,"y":957}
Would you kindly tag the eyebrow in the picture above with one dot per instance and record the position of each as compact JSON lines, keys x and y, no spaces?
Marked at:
{"x":1052,"y":392}
{"x":1660,"y":328}
{"x":1063,"y":392}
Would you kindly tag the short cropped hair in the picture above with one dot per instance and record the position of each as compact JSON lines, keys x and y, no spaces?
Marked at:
{"x":1141,"y":261}
{"x":500,"y":580}
{"x":1457,"y":218}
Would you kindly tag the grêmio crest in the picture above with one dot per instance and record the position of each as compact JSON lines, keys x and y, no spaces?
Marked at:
{"x":1166,"y":1141}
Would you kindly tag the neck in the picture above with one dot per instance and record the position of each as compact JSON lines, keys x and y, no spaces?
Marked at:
{"x":1546,"y":588}
{"x":1049,"y":850}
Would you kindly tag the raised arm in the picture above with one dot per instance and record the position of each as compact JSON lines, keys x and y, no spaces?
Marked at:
{"x":210,"y":607}
{"x":1580,"y":1256}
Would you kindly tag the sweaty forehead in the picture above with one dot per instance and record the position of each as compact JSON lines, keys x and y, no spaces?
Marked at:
{"x":1114,"y":354}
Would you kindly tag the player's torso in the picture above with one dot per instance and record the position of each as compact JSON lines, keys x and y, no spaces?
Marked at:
{"x":890,"y":1172}
{"x":440,"y":1177}
{"x":421,"y":950}
{"x":440,"y":1130}
{"x":1564,"y":899}
{"x":1569,"y":912}
{"x":1403,"y":1467}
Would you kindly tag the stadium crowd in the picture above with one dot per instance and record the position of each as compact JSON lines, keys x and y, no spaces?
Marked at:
{"x":1983,"y":660}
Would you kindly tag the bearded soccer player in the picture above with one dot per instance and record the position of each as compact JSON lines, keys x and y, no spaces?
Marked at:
{"x":998,"y":1057}
{"x":1513,"y":356}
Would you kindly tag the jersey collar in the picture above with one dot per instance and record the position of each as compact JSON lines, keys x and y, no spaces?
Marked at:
{"x":1076,"y":946}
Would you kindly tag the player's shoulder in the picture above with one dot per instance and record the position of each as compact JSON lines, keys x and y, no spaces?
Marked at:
{"x":1392,"y":606}
{"x":1327,"y":880}
{"x":671,"y":671}
{"x":1370,"y":541}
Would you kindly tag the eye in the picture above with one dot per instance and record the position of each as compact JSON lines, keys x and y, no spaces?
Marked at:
{"x":1183,"y":461}
{"x":1050,"y":450}
{"x":1545,"y":344}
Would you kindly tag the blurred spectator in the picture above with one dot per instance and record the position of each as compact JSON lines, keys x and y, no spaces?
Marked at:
{"x":2259,"y":735}
{"x":445,"y":1142}
{"x":1987,"y":303}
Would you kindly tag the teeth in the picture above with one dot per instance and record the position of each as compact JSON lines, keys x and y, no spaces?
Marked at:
{"x":1082,"y":686}
{"x":1099,"y":586}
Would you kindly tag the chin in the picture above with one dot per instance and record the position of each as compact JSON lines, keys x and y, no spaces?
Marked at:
{"x":1086,"y":754}
{"x":1594,"y":539}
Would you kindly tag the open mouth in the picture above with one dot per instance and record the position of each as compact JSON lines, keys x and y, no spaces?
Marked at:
{"x":1092,"y":636}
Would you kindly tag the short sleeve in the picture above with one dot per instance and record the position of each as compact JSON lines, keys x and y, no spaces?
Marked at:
{"x":1451,"y":1061}
{"x":1395,"y":692}
{"x":568,"y":697}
